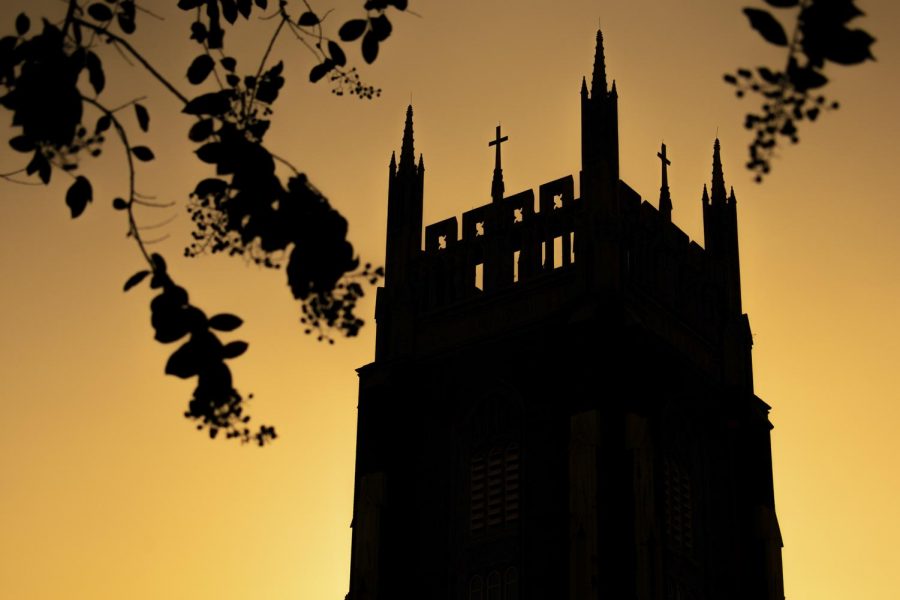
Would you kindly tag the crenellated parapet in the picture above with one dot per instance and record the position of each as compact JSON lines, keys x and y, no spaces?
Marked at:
{"x":505,"y":247}
{"x":499,"y":245}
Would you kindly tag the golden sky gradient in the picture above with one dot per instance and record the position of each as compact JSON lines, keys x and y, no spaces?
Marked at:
{"x":107,"y":492}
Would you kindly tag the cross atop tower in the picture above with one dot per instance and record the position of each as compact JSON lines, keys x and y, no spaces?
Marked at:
{"x":497,"y":187}
{"x":665,"y":199}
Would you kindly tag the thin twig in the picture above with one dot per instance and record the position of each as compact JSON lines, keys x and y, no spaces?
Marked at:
{"x":124,"y":43}
{"x":132,"y":223}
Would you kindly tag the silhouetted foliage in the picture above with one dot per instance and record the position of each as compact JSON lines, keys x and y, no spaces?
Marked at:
{"x":245,"y":209}
{"x":792,"y":95}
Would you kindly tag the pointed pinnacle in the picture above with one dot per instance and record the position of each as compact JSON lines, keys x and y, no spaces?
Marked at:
{"x":393,"y":164}
{"x":598,"y":80}
{"x":718,"y":178}
{"x":584,"y":90}
{"x":731,"y":198}
{"x":421,"y":163}
{"x":407,"y":152}
{"x":705,"y":199}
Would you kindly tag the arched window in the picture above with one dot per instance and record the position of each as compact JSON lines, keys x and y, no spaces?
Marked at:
{"x":478,"y":477}
{"x":511,"y":483}
{"x":678,"y":507}
{"x":476,"y":588}
{"x":493,"y":586}
{"x":511,"y":584}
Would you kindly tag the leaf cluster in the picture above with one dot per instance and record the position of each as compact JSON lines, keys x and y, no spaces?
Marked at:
{"x":52,"y":80}
{"x":821,"y":34}
{"x":216,"y":405}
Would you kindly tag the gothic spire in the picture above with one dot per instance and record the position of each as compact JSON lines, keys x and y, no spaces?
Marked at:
{"x":584,"y":90}
{"x":718,"y":178}
{"x":421,"y":163}
{"x":705,"y":198}
{"x":407,"y":153}
{"x":665,"y":199}
{"x":598,"y":80}
{"x":393,"y":164}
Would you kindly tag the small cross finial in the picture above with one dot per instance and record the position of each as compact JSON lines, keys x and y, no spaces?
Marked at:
{"x":496,"y":142}
{"x":497,"y":184}
{"x":662,"y":157}
{"x":665,"y":199}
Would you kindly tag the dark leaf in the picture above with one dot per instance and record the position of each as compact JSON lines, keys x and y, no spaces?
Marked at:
{"x":228,"y":63}
{"x":381,"y":27}
{"x":142,"y":153}
{"x":126,"y":23}
{"x":159,"y":263}
{"x":198,"y":31}
{"x":225,"y":322}
{"x":143,"y":117}
{"x":825,"y":15}
{"x":95,"y":72}
{"x":244,"y":7}
{"x":370,"y":47}
{"x":214,"y":103}
{"x":120,"y":204}
{"x":806,"y":79}
{"x":40,"y":164}
{"x":768,"y":75}
{"x":23,"y":23}
{"x":232,"y":80}
{"x":22,"y":143}
{"x":319,"y":71}
{"x":78,"y":196}
{"x":201,"y":130}
{"x":136,"y":278}
{"x":782,"y":3}
{"x":767,"y":26}
{"x":399,"y":4}
{"x":210,"y":186}
{"x":849,"y":46}
{"x":229,"y":10}
{"x":308,"y":19}
{"x":261,"y":3}
{"x":234,"y":349}
{"x":337,"y":55}
{"x":200,"y":69}
{"x":211,"y":153}
{"x":730,"y":79}
{"x":184,"y":362}
{"x":812,"y":114}
{"x":100,"y":12}
{"x":352,"y":29}
{"x":190,"y":4}
{"x":103,"y":123}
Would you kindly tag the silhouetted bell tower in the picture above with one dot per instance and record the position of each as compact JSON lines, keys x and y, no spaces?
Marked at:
{"x":561,"y":403}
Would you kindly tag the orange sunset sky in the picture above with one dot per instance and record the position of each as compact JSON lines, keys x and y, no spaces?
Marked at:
{"x":107,"y":492}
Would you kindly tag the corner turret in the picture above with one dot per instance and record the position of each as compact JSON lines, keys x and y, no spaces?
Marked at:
{"x":599,"y":128}
{"x":720,"y":230}
{"x":404,"y":223}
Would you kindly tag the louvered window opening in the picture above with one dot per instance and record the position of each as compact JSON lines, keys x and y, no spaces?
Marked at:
{"x":678,"y":508}
{"x":494,"y":482}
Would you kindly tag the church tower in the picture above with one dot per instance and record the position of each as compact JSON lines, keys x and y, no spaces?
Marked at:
{"x":561,"y":403}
